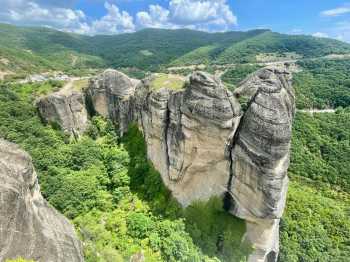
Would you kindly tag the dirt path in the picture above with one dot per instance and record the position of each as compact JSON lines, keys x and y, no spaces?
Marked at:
{"x":71,"y":84}
{"x":316,"y":111}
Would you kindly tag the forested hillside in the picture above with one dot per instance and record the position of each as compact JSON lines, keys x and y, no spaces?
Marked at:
{"x":27,"y":49}
{"x":35,"y":49}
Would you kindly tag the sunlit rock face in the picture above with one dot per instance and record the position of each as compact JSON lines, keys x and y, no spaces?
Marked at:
{"x":260,"y":158}
{"x":110,"y":96}
{"x":67,"y":109}
{"x":29,"y":226}
{"x":186,"y":130}
{"x":201,"y":120}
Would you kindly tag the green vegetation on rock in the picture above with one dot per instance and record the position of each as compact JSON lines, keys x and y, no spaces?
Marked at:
{"x":173,"y":82}
{"x":19,"y":260}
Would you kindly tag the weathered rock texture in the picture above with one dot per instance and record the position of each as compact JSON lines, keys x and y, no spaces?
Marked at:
{"x":186,"y":132}
{"x":67,"y":109}
{"x":110,"y":96}
{"x":29,"y":227}
{"x":202,"y":146}
{"x":260,"y":158}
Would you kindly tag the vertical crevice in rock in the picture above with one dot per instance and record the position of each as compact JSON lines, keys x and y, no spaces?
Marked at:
{"x":229,"y":203}
{"x":166,"y":133}
{"x":260,"y":159}
{"x":73,"y":131}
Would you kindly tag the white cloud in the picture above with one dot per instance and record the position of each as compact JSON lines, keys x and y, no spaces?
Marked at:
{"x":156,"y":17}
{"x":115,"y":21}
{"x":341,"y":31}
{"x":52,"y":15}
{"x":336,"y":11}
{"x":320,"y":34}
{"x":208,"y":15}
{"x":296,"y":31}
{"x":193,"y":11}
{"x":31,"y":13}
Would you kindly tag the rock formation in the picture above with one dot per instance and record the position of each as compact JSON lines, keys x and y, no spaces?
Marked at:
{"x":110,"y":96}
{"x":203,"y":146}
{"x":260,"y":158}
{"x":67,"y":109}
{"x":185,"y":130}
{"x":29,"y":227}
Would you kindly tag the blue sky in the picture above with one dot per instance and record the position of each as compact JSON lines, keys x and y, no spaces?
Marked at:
{"x":323,"y":18}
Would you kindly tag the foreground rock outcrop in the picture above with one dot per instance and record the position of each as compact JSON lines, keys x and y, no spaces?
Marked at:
{"x":203,"y":145}
{"x":29,"y":227}
{"x":67,"y":109}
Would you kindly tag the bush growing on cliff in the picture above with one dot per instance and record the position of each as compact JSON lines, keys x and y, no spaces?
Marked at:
{"x":217,"y":233}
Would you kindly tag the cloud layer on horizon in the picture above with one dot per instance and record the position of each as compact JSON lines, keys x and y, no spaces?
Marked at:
{"x":338,"y":18}
{"x":206,"y":15}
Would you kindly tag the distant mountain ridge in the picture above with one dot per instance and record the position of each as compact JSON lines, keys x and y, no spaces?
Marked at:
{"x":30,"y":49}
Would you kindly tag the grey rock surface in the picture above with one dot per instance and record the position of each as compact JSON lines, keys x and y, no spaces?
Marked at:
{"x":67,"y":109}
{"x":110,"y":95}
{"x":29,"y":226}
{"x":185,"y":130}
{"x":260,"y":156}
{"x":201,"y":119}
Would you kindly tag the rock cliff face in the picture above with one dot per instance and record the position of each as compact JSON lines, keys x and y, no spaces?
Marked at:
{"x":260,"y":158}
{"x":186,"y":132}
{"x":67,"y":109}
{"x":29,"y":227}
{"x":110,"y":96}
{"x":204,"y":146}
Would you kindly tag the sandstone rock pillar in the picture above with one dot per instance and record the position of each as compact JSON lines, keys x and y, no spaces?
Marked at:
{"x":260,"y":158}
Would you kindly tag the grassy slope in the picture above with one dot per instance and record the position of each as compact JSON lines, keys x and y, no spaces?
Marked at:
{"x":172,"y":82}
